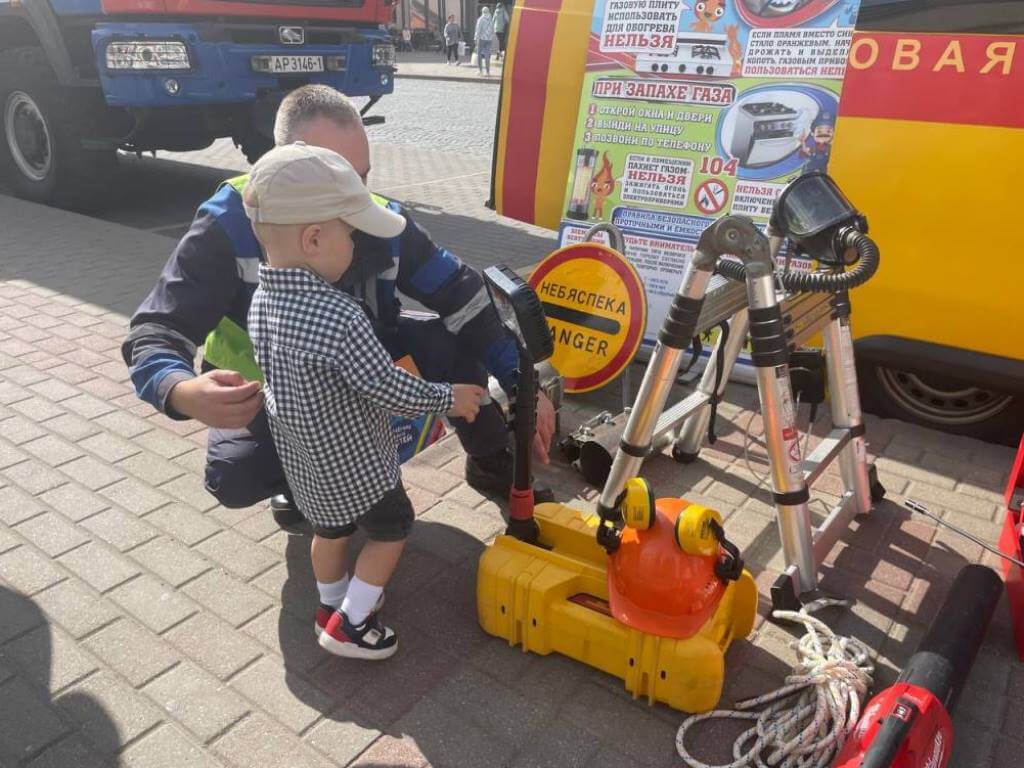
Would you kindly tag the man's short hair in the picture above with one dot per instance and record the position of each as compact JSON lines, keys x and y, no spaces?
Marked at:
{"x":307,"y":103}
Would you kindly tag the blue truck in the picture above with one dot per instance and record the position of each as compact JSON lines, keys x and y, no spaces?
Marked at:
{"x":82,"y":79}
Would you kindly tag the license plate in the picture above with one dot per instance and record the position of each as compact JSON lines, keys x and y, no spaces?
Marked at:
{"x":290,"y":64}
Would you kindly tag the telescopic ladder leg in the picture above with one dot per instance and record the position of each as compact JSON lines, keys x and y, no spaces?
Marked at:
{"x":845,"y":403}
{"x":770,"y":355}
{"x":691,"y":434}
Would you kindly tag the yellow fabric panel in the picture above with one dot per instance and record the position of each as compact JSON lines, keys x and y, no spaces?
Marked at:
{"x":564,"y":89}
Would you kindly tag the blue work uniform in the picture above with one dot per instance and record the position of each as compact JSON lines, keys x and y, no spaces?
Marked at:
{"x":202,"y":297}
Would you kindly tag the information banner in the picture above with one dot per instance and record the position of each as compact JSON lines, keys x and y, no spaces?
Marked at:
{"x":692,"y":110}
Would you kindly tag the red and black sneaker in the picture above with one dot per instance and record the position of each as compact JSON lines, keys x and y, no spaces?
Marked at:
{"x":370,"y":640}
{"x":324,"y":613}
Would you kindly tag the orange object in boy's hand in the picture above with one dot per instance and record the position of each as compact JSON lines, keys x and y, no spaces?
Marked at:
{"x":466,"y":401}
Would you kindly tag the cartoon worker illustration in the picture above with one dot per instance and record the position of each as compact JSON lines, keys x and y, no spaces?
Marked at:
{"x":602,"y":185}
{"x":817,"y":144}
{"x":707,"y":13}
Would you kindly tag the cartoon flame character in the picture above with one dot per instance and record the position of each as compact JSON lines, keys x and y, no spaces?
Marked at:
{"x":732,"y":32}
{"x":707,"y":13}
{"x":602,"y":185}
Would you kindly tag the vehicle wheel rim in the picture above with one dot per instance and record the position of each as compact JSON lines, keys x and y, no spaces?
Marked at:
{"x":942,"y":401}
{"x":28,"y":136}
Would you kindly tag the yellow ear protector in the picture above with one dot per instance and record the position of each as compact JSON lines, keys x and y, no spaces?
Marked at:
{"x":699,"y":530}
{"x":638,"y":504}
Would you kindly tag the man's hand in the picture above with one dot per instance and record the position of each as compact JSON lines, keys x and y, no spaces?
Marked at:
{"x":466,"y":401}
{"x":219,"y":398}
{"x":545,"y":428}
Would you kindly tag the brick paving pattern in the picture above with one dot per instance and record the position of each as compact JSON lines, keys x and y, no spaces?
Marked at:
{"x":446,"y":192}
{"x":143,"y":625}
{"x":422,"y":65}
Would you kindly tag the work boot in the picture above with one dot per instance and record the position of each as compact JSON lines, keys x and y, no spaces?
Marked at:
{"x":492,"y":476}
{"x":287,"y":515}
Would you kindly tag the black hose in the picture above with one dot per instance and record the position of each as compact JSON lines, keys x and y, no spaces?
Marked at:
{"x":732,"y":270}
{"x":819,"y":282}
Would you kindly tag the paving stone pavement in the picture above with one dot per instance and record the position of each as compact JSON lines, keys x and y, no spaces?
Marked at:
{"x":143,"y":625}
{"x":422,"y":65}
{"x":445,"y":191}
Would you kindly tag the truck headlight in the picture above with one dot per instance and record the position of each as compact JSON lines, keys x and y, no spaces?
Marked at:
{"x":143,"y":54}
{"x":383,"y":55}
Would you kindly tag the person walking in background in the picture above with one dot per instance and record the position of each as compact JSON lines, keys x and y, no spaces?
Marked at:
{"x":501,"y":21}
{"x":484,"y":39}
{"x":452,"y":35}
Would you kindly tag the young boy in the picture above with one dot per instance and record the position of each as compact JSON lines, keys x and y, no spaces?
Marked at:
{"x":330,"y":385}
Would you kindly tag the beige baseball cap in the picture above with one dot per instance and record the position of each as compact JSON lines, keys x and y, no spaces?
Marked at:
{"x":303,"y":184}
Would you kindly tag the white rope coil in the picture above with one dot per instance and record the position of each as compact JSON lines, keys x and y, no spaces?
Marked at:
{"x":806,"y":721}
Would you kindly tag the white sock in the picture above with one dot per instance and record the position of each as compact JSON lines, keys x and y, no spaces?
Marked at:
{"x":359,"y":600}
{"x":332,"y":593}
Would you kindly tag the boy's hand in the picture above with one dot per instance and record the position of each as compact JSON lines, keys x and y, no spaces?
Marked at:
{"x":466,"y":401}
{"x":219,"y":398}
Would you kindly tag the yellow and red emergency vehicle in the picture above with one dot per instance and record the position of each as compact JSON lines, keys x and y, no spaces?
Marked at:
{"x":928,"y":144}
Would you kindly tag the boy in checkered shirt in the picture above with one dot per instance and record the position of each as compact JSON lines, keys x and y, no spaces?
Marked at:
{"x":331,"y":386}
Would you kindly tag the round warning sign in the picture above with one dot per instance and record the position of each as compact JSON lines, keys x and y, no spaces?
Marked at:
{"x":597,"y":310}
{"x":711,"y":196}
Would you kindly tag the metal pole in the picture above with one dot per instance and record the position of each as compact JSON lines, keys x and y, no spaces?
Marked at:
{"x":691,"y":434}
{"x":780,"y":433}
{"x":658,"y":380}
{"x":845,"y":404}
{"x":627,"y":388}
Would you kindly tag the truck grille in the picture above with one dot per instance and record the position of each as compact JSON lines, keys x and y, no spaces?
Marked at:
{"x":254,"y":34}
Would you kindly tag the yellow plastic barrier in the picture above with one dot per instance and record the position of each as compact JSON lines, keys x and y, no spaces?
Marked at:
{"x":554,"y":597}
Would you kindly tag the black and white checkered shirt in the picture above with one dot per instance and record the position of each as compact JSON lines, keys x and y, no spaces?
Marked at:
{"x":330,"y":389}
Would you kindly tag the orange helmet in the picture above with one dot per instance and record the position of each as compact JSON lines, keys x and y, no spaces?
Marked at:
{"x":657,"y":587}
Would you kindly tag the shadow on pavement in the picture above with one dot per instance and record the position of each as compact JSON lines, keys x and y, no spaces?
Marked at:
{"x":32,"y":723}
{"x":463,"y":235}
{"x":453,"y":696}
{"x":431,"y":605}
{"x":158,"y":195}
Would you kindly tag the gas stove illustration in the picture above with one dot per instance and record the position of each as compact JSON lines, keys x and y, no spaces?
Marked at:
{"x":765,"y":132}
{"x":694,"y":54}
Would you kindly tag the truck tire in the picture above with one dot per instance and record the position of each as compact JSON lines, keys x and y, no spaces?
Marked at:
{"x":942,"y":403}
{"x":41,"y":131}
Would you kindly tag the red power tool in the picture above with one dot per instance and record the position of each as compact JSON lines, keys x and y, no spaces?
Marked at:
{"x":908,"y":725}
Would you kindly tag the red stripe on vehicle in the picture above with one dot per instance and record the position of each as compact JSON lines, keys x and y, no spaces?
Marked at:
{"x":526,"y":107}
{"x":969,"y":79}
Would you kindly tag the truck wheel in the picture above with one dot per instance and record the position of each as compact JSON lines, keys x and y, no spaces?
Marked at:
{"x":942,"y":403}
{"x":254,"y":146}
{"x":41,"y":128}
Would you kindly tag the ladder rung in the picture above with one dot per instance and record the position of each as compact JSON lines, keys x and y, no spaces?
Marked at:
{"x":809,"y":307}
{"x":833,"y":527}
{"x":678,"y":413}
{"x":799,"y":304}
{"x":721,"y":302}
{"x":809,"y":325}
{"x":823,"y":454}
